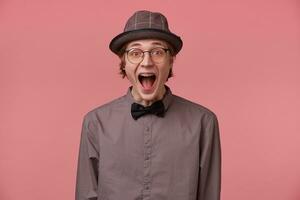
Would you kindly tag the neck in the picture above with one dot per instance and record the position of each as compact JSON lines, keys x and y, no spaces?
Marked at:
{"x":146,"y":102}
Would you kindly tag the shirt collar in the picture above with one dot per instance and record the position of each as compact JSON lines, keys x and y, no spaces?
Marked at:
{"x":167,"y":99}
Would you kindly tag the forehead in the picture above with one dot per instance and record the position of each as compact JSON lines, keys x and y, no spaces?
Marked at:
{"x":147,"y":43}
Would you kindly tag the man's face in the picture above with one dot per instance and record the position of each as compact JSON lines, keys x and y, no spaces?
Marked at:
{"x":148,"y":76}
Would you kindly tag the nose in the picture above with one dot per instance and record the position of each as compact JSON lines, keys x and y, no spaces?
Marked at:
{"x":147,"y":60}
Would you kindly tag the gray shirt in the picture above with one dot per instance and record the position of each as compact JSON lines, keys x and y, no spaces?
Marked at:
{"x":177,"y":157}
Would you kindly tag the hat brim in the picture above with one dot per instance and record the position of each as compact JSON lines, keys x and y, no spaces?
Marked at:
{"x":117,"y":42}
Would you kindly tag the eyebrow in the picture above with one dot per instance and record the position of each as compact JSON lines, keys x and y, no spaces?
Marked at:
{"x":139,"y":44}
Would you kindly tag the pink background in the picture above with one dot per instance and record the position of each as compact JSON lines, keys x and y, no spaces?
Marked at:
{"x":241,"y":59}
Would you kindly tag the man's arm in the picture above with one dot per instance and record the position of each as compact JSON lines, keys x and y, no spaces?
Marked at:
{"x":87,"y":169}
{"x":210,"y":162}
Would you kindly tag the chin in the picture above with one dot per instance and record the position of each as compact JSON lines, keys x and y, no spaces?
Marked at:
{"x":148,"y":96}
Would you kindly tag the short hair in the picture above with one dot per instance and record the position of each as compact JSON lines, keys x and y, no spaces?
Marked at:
{"x":121,"y":55}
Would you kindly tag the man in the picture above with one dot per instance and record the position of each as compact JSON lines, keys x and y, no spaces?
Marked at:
{"x":149,"y":143}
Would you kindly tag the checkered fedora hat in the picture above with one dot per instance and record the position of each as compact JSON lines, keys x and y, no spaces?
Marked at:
{"x":146,"y":25}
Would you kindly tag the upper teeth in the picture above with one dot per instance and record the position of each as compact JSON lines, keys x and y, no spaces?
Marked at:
{"x":147,"y":75}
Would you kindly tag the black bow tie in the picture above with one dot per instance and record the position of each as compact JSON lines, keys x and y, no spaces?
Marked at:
{"x":157,"y":108}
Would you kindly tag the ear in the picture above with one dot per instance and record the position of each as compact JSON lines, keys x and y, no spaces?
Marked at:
{"x":172,"y":60}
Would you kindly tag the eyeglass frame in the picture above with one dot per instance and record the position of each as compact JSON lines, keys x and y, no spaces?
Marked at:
{"x":149,"y":51}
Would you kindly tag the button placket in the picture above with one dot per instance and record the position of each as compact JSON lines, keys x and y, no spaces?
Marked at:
{"x":147,"y":161}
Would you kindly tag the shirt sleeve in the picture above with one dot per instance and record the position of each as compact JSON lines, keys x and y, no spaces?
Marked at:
{"x":88,"y":161}
{"x":210,"y":162}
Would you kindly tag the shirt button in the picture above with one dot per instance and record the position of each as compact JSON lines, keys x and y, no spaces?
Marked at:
{"x":147,"y":129}
{"x":146,"y":164}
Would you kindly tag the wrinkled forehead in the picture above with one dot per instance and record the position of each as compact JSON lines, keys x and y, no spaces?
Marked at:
{"x":147,"y":43}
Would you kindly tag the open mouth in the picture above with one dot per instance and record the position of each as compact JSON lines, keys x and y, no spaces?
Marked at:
{"x":147,"y":80}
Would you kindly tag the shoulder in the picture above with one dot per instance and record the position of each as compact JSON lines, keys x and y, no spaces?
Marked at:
{"x":196,"y":109}
{"x":105,"y":109}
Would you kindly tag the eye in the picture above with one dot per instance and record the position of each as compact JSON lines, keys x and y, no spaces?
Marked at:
{"x":135,"y":53}
{"x":157,"y":52}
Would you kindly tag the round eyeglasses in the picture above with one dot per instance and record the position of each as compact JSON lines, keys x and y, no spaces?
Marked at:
{"x":157,"y":55}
